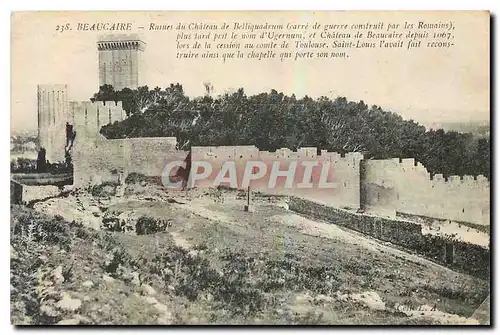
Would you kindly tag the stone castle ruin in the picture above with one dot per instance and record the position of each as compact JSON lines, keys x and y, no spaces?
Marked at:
{"x":395,"y":185}
{"x":60,"y":121}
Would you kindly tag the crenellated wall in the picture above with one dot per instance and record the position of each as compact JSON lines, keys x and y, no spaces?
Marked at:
{"x":342,"y":170}
{"x":393,"y":185}
{"x":406,"y":186}
{"x":89,"y":117}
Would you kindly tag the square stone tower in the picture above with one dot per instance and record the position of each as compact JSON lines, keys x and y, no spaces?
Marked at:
{"x":119,"y":60}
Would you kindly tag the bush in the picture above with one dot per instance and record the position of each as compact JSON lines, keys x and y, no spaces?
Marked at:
{"x":118,"y":255}
{"x":23,"y":165}
{"x":105,"y":189}
{"x":135,"y":178}
{"x":30,"y":227}
{"x":148,"y":225}
{"x":236,"y":290}
{"x":456,"y":293}
{"x":189,"y":275}
{"x":192,"y":277}
{"x":34,"y":237}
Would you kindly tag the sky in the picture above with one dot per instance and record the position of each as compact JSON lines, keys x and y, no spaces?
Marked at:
{"x":429,"y":86}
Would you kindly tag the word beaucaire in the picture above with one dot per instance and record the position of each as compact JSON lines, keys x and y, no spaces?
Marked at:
{"x":304,"y":174}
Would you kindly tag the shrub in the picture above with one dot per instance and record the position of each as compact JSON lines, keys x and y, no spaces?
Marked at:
{"x":241,"y":284}
{"x":119,"y":257}
{"x":67,"y":273}
{"x":148,"y":225}
{"x":34,"y":235}
{"x":192,"y":276}
{"x":236,"y":290}
{"x":289,"y":274}
{"x":189,"y":275}
{"x":135,"y":178}
{"x":104,"y":189}
{"x":30,"y":227}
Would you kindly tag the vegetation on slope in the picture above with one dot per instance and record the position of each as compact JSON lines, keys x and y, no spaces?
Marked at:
{"x":64,"y":273}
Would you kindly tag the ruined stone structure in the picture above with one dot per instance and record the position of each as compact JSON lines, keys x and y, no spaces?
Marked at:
{"x":95,"y":158}
{"x":119,"y":67}
{"x":52,"y":117}
{"x":119,"y":58}
{"x":98,"y":159}
{"x":397,"y":186}
{"x":86,"y":117}
{"x":394,"y":185}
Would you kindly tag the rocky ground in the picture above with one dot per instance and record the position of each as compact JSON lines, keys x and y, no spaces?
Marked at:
{"x":136,"y":254}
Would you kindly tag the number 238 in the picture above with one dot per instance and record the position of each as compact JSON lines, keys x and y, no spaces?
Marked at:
{"x":63,"y":28}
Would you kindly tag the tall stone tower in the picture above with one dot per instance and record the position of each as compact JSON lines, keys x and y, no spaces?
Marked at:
{"x":52,"y":118}
{"x":119,"y":60}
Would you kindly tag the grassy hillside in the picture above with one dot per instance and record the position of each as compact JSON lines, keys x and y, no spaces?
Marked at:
{"x":216,"y":264}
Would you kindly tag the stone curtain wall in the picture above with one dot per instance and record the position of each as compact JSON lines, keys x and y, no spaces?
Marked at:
{"x":149,"y":156}
{"x":397,"y":185}
{"x":344,"y":171}
{"x":406,"y":186}
{"x":403,"y":186}
{"x":96,"y":158}
{"x":400,"y":186}
{"x":99,"y":160}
